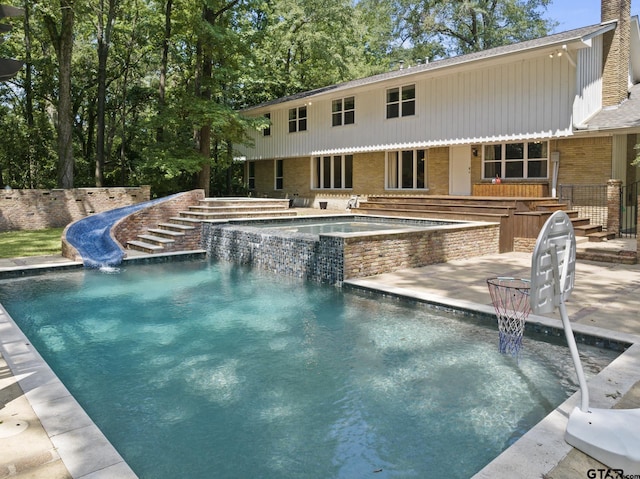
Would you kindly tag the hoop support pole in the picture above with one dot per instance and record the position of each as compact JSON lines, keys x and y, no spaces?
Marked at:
{"x":559,"y":286}
{"x":571,"y":341}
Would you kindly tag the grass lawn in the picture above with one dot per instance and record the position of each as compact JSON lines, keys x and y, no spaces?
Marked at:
{"x":14,"y":244}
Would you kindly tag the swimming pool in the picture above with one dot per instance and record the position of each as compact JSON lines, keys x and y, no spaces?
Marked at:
{"x":200,"y":369}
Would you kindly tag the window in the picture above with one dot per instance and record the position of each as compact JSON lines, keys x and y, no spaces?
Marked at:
{"x":279,"y":174}
{"x":298,"y":119}
{"x":401,"y":101}
{"x":518,"y":160}
{"x":343,"y":111}
{"x":332,"y":172}
{"x":251,"y":175}
{"x":406,"y":169}
{"x":267,"y":130}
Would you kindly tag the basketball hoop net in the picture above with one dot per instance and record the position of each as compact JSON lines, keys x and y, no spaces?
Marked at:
{"x":510,"y":299}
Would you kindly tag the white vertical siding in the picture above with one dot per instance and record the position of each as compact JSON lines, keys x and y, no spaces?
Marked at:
{"x":588,"y":99}
{"x":529,"y":98}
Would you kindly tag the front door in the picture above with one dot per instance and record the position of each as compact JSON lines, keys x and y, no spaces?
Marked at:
{"x":460,"y":170}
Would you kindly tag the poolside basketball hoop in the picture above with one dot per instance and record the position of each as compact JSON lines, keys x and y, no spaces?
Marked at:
{"x":510,"y":298}
{"x":612,"y":436}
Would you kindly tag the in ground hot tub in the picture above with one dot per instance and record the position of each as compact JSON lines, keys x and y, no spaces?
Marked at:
{"x":333,"y":248}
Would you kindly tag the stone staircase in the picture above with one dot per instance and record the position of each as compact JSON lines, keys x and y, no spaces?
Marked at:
{"x":182,"y":232}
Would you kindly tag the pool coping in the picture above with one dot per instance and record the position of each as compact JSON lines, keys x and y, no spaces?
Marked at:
{"x":543,"y":447}
{"x":397,"y":224}
{"x":87,"y":453}
{"x":80,"y":444}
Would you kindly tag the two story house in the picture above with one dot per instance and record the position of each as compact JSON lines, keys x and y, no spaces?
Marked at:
{"x":563,"y":109}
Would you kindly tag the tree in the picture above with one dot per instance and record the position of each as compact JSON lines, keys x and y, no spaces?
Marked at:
{"x":469,"y":25}
{"x":60,"y":28}
{"x":105,"y":25}
{"x":303,"y":45}
{"x":149,"y":91}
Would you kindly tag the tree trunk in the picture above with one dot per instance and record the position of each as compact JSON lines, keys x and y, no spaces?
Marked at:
{"x":63,"y":42}
{"x":28,"y":96}
{"x":203,"y":178}
{"x":104,"y":39}
{"x":164,"y":66}
{"x":65,"y":118}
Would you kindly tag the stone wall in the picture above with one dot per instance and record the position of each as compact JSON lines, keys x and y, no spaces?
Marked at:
{"x":40,"y":209}
{"x":301,"y":257}
{"x":333,"y":259}
{"x":378,"y":254}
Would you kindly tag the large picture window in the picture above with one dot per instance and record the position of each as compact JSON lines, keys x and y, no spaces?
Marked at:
{"x":297,"y":119}
{"x":343,"y":111}
{"x":517,"y":160}
{"x":332,"y":172}
{"x":406,"y":170}
{"x":401,"y":101}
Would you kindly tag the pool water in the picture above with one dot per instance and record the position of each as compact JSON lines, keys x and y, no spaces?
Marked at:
{"x":202,"y":370}
{"x":342,"y":224}
{"x":339,"y":227}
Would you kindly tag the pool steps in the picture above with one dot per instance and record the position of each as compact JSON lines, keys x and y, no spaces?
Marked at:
{"x":165,"y":236}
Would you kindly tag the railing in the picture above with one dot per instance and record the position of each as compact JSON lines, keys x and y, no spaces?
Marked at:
{"x":589,"y":200}
{"x":629,"y":210}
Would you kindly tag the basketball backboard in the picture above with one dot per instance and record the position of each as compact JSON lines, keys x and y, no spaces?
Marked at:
{"x":553,"y":264}
{"x":612,"y":436}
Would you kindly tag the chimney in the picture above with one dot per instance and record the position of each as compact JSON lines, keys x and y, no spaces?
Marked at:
{"x":616,"y":52}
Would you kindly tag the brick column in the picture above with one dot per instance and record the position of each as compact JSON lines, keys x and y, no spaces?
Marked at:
{"x":613,"y":206}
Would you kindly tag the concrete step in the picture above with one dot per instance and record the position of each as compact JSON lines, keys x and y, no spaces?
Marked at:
{"x":176,"y":227}
{"x":601,"y":236}
{"x":203,"y":216}
{"x":144,"y":246}
{"x":620,"y":257}
{"x":580,"y":222}
{"x":184,"y":221}
{"x":551,"y":206}
{"x":586,"y":230}
{"x":167,"y":233}
{"x":157,"y":240}
{"x":249,"y":202}
{"x":444,"y":215}
{"x":237,"y":208}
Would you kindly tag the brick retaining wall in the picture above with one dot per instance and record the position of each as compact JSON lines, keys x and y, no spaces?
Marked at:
{"x":378,"y":254}
{"x":40,"y":209}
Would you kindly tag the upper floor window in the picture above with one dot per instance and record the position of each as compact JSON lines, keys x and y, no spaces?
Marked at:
{"x":401,"y":101}
{"x":267,"y":130}
{"x":332,"y":172}
{"x":518,"y":160}
{"x":298,"y":119}
{"x":406,"y":169}
{"x":343,"y":111}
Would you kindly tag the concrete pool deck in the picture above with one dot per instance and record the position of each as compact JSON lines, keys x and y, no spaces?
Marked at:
{"x":606,"y":300}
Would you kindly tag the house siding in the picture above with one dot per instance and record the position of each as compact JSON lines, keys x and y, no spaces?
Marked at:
{"x":589,"y":82}
{"x":523,"y":99}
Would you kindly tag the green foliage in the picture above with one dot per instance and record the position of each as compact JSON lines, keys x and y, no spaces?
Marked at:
{"x":256,"y":51}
